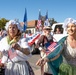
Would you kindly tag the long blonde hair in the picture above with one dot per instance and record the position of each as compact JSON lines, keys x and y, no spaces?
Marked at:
{"x":17,"y":37}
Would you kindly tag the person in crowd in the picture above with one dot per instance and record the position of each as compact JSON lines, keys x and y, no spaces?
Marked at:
{"x":2,"y":33}
{"x":62,"y":60}
{"x":44,"y":38}
{"x":15,"y":51}
{"x":58,"y":31}
{"x":29,"y":33}
{"x":39,"y":29}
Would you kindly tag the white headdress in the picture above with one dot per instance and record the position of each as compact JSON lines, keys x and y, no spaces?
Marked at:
{"x":13,"y":22}
{"x":69,"y":20}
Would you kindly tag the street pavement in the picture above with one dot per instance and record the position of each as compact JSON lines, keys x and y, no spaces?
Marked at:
{"x":33,"y":61}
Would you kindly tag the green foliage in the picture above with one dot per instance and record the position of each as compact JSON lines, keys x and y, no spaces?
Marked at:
{"x":51,"y":20}
{"x":3,"y":22}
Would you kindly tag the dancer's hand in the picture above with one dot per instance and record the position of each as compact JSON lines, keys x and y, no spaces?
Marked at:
{"x":42,"y":61}
{"x":45,"y":60}
{"x":16,"y":46}
{"x":39,"y":62}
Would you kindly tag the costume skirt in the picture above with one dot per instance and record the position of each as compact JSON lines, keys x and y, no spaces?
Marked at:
{"x":18,"y":68}
{"x":67,"y":69}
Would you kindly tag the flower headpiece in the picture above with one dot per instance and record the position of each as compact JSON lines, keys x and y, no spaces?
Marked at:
{"x":13,"y":22}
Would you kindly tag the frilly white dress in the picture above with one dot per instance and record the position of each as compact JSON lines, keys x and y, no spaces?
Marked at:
{"x":15,"y":61}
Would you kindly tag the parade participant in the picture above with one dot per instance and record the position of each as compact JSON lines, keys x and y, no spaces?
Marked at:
{"x":44,"y":38}
{"x":63,"y":60}
{"x":15,"y":51}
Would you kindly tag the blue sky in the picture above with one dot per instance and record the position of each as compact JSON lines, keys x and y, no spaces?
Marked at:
{"x":57,"y":9}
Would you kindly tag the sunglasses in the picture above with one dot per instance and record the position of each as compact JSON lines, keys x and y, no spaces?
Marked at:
{"x":47,"y":29}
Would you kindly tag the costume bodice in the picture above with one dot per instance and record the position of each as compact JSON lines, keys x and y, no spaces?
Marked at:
{"x":69,"y":53}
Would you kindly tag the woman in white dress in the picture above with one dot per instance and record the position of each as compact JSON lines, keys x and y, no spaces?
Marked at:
{"x":15,"y":51}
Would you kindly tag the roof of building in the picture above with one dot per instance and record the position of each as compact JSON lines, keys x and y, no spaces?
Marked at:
{"x":31,"y":23}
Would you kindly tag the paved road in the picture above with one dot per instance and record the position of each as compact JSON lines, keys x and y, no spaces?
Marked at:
{"x":32,"y":62}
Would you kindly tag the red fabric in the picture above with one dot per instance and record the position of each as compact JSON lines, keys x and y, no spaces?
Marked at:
{"x":12,"y":54}
{"x":38,"y":24}
{"x":32,"y":41}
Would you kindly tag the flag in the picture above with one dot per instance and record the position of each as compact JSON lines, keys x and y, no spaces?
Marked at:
{"x":25,"y":21}
{"x":51,"y":47}
{"x":46,"y":22}
{"x":12,"y":53}
{"x":39,"y":20}
{"x":33,"y":38}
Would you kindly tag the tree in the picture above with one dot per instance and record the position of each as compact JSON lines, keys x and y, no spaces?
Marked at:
{"x":3,"y":22}
{"x":51,"y":20}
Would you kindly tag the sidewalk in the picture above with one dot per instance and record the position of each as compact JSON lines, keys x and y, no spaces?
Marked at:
{"x":32,"y":62}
